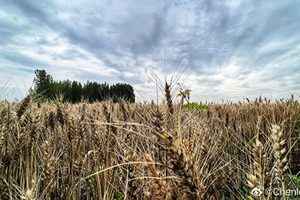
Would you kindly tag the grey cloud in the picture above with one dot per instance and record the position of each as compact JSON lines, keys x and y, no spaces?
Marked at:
{"x":70,"y":54}
{"x":202,"y":36}
{"x":89,"y":76}
{"x":39,"y":12}
{"x":20,"y":59}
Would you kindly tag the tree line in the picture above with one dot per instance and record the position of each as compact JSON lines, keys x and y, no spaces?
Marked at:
{"x":73,"y":91}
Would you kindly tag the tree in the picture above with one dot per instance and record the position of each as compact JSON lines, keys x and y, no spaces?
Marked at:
{"x":42,"y":83}
{"x":121,"y":91}
{"x":74,"y":91}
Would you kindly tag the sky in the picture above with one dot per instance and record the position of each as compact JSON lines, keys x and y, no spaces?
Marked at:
{"x":220,"y":49}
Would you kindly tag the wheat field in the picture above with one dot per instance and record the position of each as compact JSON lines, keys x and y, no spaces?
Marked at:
{"x":146,"y":151}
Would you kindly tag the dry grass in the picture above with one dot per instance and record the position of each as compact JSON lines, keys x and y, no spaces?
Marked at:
{"x":145,"y":151}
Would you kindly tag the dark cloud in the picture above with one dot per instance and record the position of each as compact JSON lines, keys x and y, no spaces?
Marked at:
{"x":38,"y":12}
{"x":209,"y":38}
{"x":20,"y":59}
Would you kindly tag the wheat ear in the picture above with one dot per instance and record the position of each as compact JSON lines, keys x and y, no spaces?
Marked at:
{"x":169,"y":98}
{"x":23,"y":106}
{"x":255,"y":178}
{"x":280,"y":155}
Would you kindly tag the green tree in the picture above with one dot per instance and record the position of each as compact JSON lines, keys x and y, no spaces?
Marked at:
{"x":42,"y":83}
{"x":74,"y":91}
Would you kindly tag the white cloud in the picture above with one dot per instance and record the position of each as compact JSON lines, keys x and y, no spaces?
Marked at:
{"x":220,"y":49}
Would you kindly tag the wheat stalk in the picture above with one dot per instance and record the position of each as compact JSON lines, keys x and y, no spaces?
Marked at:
{"x":280,"y":155}
{"x":23,"y":106}
{"x":169,"y":98}
{"x":255,"y":177}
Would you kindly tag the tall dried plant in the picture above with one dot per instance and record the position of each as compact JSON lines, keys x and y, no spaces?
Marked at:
{"x":23,"y":106}
{"x":280,"y":155}
{"x":169,"y":98}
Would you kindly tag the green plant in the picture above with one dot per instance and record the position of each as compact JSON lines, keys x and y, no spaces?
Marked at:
{"x":193,"y":106}
{"x":118,"y":196}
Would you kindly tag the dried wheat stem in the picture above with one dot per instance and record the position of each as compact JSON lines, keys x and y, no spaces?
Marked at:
{"x":255,"y":178}
{"x":280,"y":155}
{"x":169,"y":98}
{"x":280,"y":151}
{"x":23,"y":106}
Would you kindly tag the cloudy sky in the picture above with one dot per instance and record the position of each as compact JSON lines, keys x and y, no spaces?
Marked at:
{"x":221,"y":49}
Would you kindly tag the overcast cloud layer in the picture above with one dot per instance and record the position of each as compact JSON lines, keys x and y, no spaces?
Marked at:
{"x":221,"y":49}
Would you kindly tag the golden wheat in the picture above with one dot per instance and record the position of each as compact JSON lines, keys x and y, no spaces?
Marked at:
{"x":51,"y":150}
